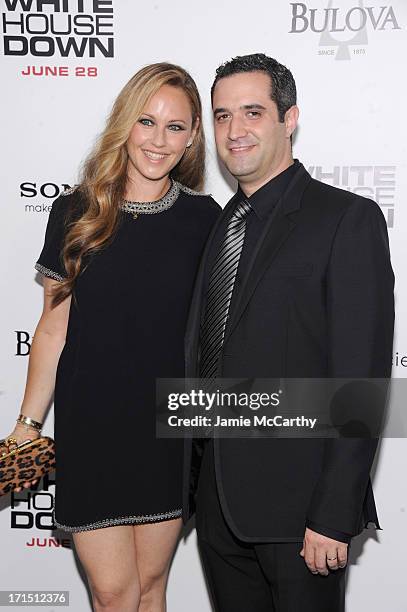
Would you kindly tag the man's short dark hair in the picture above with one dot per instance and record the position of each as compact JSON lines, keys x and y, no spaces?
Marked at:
{"x":283,"y":90}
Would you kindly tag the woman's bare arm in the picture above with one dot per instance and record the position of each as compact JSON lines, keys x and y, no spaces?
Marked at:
{"x":46,"y":347}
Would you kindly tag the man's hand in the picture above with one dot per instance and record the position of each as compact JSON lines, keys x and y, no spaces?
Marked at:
{"x":322,"y":554}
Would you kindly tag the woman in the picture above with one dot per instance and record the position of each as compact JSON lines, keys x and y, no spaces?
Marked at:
{"x":120,"y":256}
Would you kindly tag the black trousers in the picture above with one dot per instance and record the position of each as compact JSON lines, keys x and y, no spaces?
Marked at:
{"x":243,"y":577}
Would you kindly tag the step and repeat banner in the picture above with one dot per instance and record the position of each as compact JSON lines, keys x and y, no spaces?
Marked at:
{"x":63,"y":63}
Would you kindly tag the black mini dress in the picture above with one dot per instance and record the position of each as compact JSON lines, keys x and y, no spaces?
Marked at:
{"x":126,"y":328}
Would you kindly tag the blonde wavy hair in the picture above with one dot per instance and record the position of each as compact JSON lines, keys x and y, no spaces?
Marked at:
{"x":104,"y":174}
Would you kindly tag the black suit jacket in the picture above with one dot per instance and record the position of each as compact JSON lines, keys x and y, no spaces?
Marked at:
{"x":316,"y":301}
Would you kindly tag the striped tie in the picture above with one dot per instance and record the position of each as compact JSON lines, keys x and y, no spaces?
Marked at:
{"x":220,"y":290}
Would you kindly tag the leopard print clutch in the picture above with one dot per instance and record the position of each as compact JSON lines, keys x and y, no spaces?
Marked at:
{"x":30,"y":460}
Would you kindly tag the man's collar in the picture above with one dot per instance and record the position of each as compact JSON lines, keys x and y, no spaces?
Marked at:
{"x":263,"y":200}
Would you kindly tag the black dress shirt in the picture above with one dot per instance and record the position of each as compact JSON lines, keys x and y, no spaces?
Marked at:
{"x":262,"y":202}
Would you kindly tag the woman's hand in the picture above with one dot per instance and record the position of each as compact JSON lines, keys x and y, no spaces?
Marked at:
{"x":21,"y":433}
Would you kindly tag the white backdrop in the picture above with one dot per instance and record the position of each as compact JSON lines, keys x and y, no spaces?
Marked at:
{"x":63,"y":63}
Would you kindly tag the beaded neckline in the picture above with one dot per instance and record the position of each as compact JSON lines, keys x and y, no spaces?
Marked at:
{"x":150,"y":208}
{"x":157,"y":206}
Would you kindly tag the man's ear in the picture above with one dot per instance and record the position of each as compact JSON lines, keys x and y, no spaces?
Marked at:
{"x":291,"y":120}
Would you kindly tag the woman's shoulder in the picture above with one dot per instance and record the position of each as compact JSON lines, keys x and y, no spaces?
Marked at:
{"x":70,"y":202}
{"x":203,"y":201}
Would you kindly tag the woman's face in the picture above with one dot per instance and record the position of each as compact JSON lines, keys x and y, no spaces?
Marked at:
{"x":159,"y":138}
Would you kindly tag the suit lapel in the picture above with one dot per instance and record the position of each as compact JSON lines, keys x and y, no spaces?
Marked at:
{"x":278,"y":227}
{"x":275,"y":233}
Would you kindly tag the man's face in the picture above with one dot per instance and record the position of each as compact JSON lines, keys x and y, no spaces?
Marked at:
{"x":250,"y":140}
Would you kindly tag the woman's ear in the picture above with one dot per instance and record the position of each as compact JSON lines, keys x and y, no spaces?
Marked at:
{"x":193,"y":132}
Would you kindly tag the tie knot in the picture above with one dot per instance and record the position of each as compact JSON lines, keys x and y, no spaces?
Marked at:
{"x":242,"y":210}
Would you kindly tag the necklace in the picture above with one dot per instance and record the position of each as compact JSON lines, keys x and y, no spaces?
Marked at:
{"x":151,"y":208}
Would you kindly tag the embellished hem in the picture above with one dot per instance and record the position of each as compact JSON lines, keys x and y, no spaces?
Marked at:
{"x":121,"y":520}
{"x":47,"y":272}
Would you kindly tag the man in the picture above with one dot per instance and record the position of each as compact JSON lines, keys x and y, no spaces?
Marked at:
{"x":295,"y":281}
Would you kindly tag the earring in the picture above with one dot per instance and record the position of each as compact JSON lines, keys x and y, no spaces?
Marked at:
{"x":189,"y":144}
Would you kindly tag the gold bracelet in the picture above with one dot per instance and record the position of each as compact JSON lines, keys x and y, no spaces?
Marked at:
{"x":28,"y":421}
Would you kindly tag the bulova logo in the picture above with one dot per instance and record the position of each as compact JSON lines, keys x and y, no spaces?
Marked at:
{"x":341,"y":27}
{"x":23,"y":343}
{"x":61,"y":28}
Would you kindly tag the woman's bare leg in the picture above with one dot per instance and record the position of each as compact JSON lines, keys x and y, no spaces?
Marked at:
{"x":108,"y":556}
{"x":155,"y":545}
